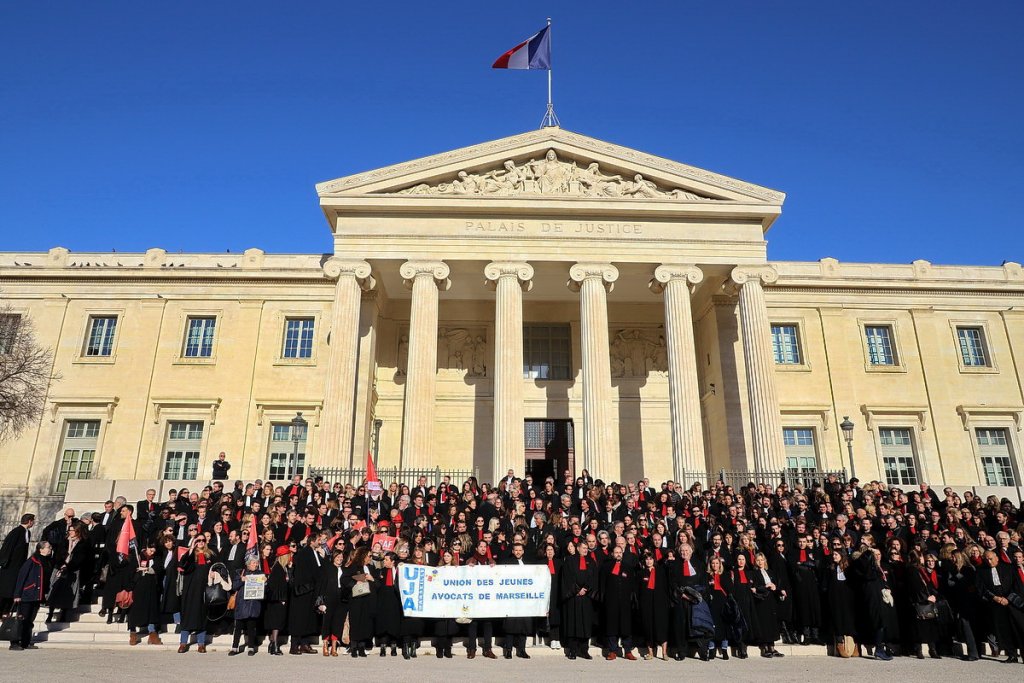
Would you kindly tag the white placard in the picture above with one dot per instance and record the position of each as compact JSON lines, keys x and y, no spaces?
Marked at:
{"x":476,"y":592}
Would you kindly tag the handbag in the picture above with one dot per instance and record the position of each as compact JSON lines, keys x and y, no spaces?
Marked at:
{"x":124,"y":599}
{"x":1016,"y":600}
{"x":846,"y":647}
{"x":215,"y":594}
{"x":926,"y":611}
{"x":10,"y":628}
{"x":179,"y":585}
{"x":232,"y":601}
{"x":360,"y":589}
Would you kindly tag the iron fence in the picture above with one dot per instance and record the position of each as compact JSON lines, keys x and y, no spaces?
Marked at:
{"x":738,"y":478}
{"x":386,"y":475}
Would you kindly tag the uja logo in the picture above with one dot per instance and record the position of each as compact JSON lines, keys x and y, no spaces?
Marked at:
{"x":413,"y":586}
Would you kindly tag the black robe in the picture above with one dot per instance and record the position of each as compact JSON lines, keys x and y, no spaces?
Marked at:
{"x":388,"y":620}
{"x":653,"y":604}
{"x":681,"y":609}
{"x":806,"y":598}
{"x":167,"y":570}
{"x":303,"y":618}
{"x":519,"y":626}
{"x":743,"y":593}
{"x":764,"y":623}
{"x":554,"y":618}
{"x":578,"y":610}
{"x":13,"y":554}
{"x":840,"y":602}
{"x":1001,"y":616}
{"x":875,"y":613}
{"x":362,"y":609}
{"x":275,"y":613}
{"x":193,"y":595}
{"x":64,"y":594}
{"x":778,"y":567}
{"x":145,"y":587}
{"x":334,"y":596}
{"x":718,"y":602}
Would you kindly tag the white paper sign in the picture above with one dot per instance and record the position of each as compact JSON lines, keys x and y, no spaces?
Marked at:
{"x":255,"y":586}
{"x":477,"y":592}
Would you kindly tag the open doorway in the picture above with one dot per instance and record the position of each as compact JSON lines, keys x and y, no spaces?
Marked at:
{"x":549,"y":449}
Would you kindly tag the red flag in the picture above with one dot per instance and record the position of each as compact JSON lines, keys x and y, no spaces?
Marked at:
{"x":372,"y":481}
{"x":253,"y":535}
{"x":126,"y":539}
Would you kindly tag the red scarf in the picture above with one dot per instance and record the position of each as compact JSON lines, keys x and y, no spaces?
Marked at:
{"x":583,"y":563}
{"x":717,"y":585}
{"x":686,"y":569}
{"x":803,"y":555}
{"x":551,"y":567}
{"x":455,"y":559}
{"x":657,"y":554}
{"x":1004,"y":557}
{"x":650,"y":579}
{"x":616,"y":569}
{"x":742,"y":573}
{"x":266,"y":566}
{"x":933,"y":577}
{"x":1020,"y":573}
{"x":976,"y":561}
{"x":389,"y":580}
{"x":200,"y":558}
{"x":826,"y":550}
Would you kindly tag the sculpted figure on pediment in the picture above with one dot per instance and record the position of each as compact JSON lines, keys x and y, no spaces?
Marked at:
{"x":550,"y":176}
{"x":462,"y":349}
{"x":636,"y":353}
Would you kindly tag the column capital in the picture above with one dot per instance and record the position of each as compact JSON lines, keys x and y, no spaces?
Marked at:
{"x":520,"y":270}
{"x":582,"y":271}
{"x":764,"y":274}
{"x":335,"y":268}
{"x":439,"y":270}
{"x":667,"y":272}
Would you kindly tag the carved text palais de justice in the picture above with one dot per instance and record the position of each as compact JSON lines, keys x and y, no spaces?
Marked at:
{"x":554,"y":227}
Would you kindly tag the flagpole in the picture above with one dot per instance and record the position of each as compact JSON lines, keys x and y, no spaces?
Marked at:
{"x":549,"y":120}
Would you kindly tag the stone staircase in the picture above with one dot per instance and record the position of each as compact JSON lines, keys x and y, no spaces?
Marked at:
{"x":90,"y":630}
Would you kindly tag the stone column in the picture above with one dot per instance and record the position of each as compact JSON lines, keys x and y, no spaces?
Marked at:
{"x":339,"y":394}
{"x":675,"y":281}
{"x":508,"y":278}
{"x":763,"y":401}
{"x":424,"y":278}
{"x":593,"y":281}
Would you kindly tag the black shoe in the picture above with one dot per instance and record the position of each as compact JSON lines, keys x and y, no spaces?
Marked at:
{"x":405,"y":651}
{"x":412,"y":650}
{"x":1012,"y":659}
{"x":776,"y":653}
{"x":447,"y":652}
{"x":702,"y":654}
{"x":383,"y":651}
{"x":678,"y":657}
{"x":725,"y":654}
{"x":585,"y":655}
{"x":234,"y":651}
{"x":711,"y":653}
{"x":49,"y":618}
{"x":568,"y":655}
{"x":103,"y":612}
{"x":522,"y":654}
{"x":15,"y":646}
{"x":440,"y":652}
{"x":507,"y":654}
{"x":110,"y":618}
{"x":394,"y":652}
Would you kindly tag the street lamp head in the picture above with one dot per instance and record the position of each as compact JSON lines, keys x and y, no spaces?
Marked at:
{"x":847,"y":428}
{"x":298,"y":427}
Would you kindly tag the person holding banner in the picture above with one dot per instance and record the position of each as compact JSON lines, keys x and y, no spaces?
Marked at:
{"x":484,"y":628}
{"x":445,"y":629}
{"x":579,"y":581}
{"x":517,"y":628}
{"x":249,"y":585}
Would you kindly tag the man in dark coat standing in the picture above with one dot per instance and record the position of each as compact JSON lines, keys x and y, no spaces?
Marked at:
{"x":516,"y":628}
{"x":302,"y":614}
{"x":13,"y":554}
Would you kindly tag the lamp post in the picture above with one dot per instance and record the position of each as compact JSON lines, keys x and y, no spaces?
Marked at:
{"x":298,"y":434}
{"x":847,"y":428}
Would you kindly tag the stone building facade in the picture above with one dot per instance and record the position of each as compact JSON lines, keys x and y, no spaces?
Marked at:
{"x":542,"y":302}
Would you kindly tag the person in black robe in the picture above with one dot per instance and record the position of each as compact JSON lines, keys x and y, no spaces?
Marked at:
{"x":617,"y":591}
{"x":718,"y":594}
{"x":685,"y":580}
{"x":550,"y":625}
{"x":840,"y":598}
{"x":743,"y":588}
{"x":29,"y":592}
{"x":803,"y":570}
{"x":13,"y":554}
{"x":764,"y":624}
{"x":923,"y":585}
{"x":303,"y":620}
{"x":332,"y":598}
{"x":388,"y":620}
{"x":995,"y":584}
{"x":516,"y":628}
{"x":275,"y":614}
{"x":961,"y":591}
{"x":144,"y":584}
{"x":167,"y":570}
{"x":195,"y":566}
{"x":445,"y":629}
{"x":778,"y":567}
{"x":579,"y":581}
{"x":877,"y":607}
{"x":364,"y":604}
{"x":64,"y":594}
{"x":652,"y":601}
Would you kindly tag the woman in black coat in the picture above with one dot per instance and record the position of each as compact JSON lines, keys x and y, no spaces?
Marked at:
{"x":923,"y":583}
{"x":743,"y":593}
{"x":388,"y":620}
{"x":652,"y":598}
{"x":195,"y":566}
{"x":878,"y":607}
{"x":961,"y":591}
{"x":332,"y":598}
{"x":720,"y":589}
{"x":552,"y":624}
{"x":579,"y":581}
{"x":64,"y":595}
{"x":445,"y":629}
{"x":166,"y":566}
{"x":275,"y":613}
{"x":839,"y":597}
{"x":683,"y":573}
{"x":363,"y":606}
{"x":29,"y":592}
{"x":764,"y":624}
{"x":144,"y":584}
{"x":778,"y":567}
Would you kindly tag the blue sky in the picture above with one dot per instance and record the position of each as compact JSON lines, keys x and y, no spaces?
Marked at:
{"x":894,"y":128}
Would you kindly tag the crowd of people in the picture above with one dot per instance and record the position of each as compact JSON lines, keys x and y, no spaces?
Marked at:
{"x":637,"y":571}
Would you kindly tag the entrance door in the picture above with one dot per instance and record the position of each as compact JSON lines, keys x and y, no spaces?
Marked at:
{"x":549,"y":449}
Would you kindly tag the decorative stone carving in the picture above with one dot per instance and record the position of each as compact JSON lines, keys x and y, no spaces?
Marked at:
{"x":636,"y":352}
{"x":463,"y":349}
{"x":742,"y":274}
{"x":551,"y":176}
{"x":579,"y":272}
{"x":439,"y":269}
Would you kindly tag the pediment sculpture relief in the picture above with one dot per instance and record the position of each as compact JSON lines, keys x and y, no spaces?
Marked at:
{"x":636,"y":353}
{"x":461,"y":349}
{"x":551,"y":176}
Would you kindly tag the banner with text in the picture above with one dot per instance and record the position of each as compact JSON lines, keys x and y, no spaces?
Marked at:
{"x":478,"y":592}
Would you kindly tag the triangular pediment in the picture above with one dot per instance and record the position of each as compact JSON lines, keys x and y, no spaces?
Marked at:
{"x":551,"y":163}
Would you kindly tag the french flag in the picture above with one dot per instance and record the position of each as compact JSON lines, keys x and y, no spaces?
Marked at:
{"x":532,"y":53}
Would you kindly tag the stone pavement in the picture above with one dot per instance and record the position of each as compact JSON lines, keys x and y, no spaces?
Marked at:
{"x":99,"y":663}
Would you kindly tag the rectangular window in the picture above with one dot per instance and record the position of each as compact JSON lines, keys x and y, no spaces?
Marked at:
{"x":285,"y":459}
{"x":898,"y":457}
{"x":880,"y":347}
{"x":199,"y":336}
{"x":546,"y":351}
{"x":786,"y":344}
{"x":996,"y":462}
{"x":972,"y":347}
{"x":77,"y":453}
{"x":9,"y":324}
{"x":298,"y":338}
{"x":801,"y":453}
{"x":182,"y":449}
{"x":100,"y":339}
